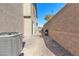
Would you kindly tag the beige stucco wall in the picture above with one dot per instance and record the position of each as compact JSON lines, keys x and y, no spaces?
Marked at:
{"x":28,"y":27}
{"x":64,"y":28}
{"x":28,"y":10}
{"x":11,"y":17}
{"x":34,"y":19}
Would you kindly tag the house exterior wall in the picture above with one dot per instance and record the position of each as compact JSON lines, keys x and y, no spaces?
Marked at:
{"x":34,"y":18}
{"x":17,"y":17}
{"x":29,"y":13}
{"x":27,"y":27}
{"x":65,"y":28}
{"x":27,"y":9}
{"x":11,"y":17}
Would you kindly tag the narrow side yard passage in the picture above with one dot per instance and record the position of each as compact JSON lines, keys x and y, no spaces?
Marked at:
{"x":42,"y":46}
{"x":35,"y":46}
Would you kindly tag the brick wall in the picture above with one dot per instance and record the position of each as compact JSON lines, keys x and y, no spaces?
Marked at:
{"x":64,"y":28}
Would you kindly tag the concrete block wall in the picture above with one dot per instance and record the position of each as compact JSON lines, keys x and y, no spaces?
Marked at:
{"x":64,"y":28}
{"x":11,"y":17}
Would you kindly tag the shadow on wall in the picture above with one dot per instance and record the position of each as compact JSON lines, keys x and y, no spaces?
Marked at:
{"x":54,"y":47}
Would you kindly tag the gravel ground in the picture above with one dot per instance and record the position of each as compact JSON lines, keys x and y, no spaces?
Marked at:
{"x":39,"y":45}
{"x":35,"y":46}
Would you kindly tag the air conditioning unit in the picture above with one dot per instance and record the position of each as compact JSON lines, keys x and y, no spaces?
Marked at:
{"x":10,"y":43}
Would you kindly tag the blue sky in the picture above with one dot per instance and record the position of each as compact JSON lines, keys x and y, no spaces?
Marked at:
{"x":44,"y":9}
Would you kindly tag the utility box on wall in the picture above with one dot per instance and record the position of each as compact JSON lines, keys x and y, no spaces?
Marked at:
{"x":10,"y":44}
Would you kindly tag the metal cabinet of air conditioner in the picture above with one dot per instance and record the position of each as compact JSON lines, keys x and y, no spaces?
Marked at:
{"x":10,"y":43}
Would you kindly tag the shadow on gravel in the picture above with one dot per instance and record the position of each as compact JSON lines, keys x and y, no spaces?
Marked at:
{"x":23,"y":44}
{"x":22,"y":54}
{"x":55,"y":48}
